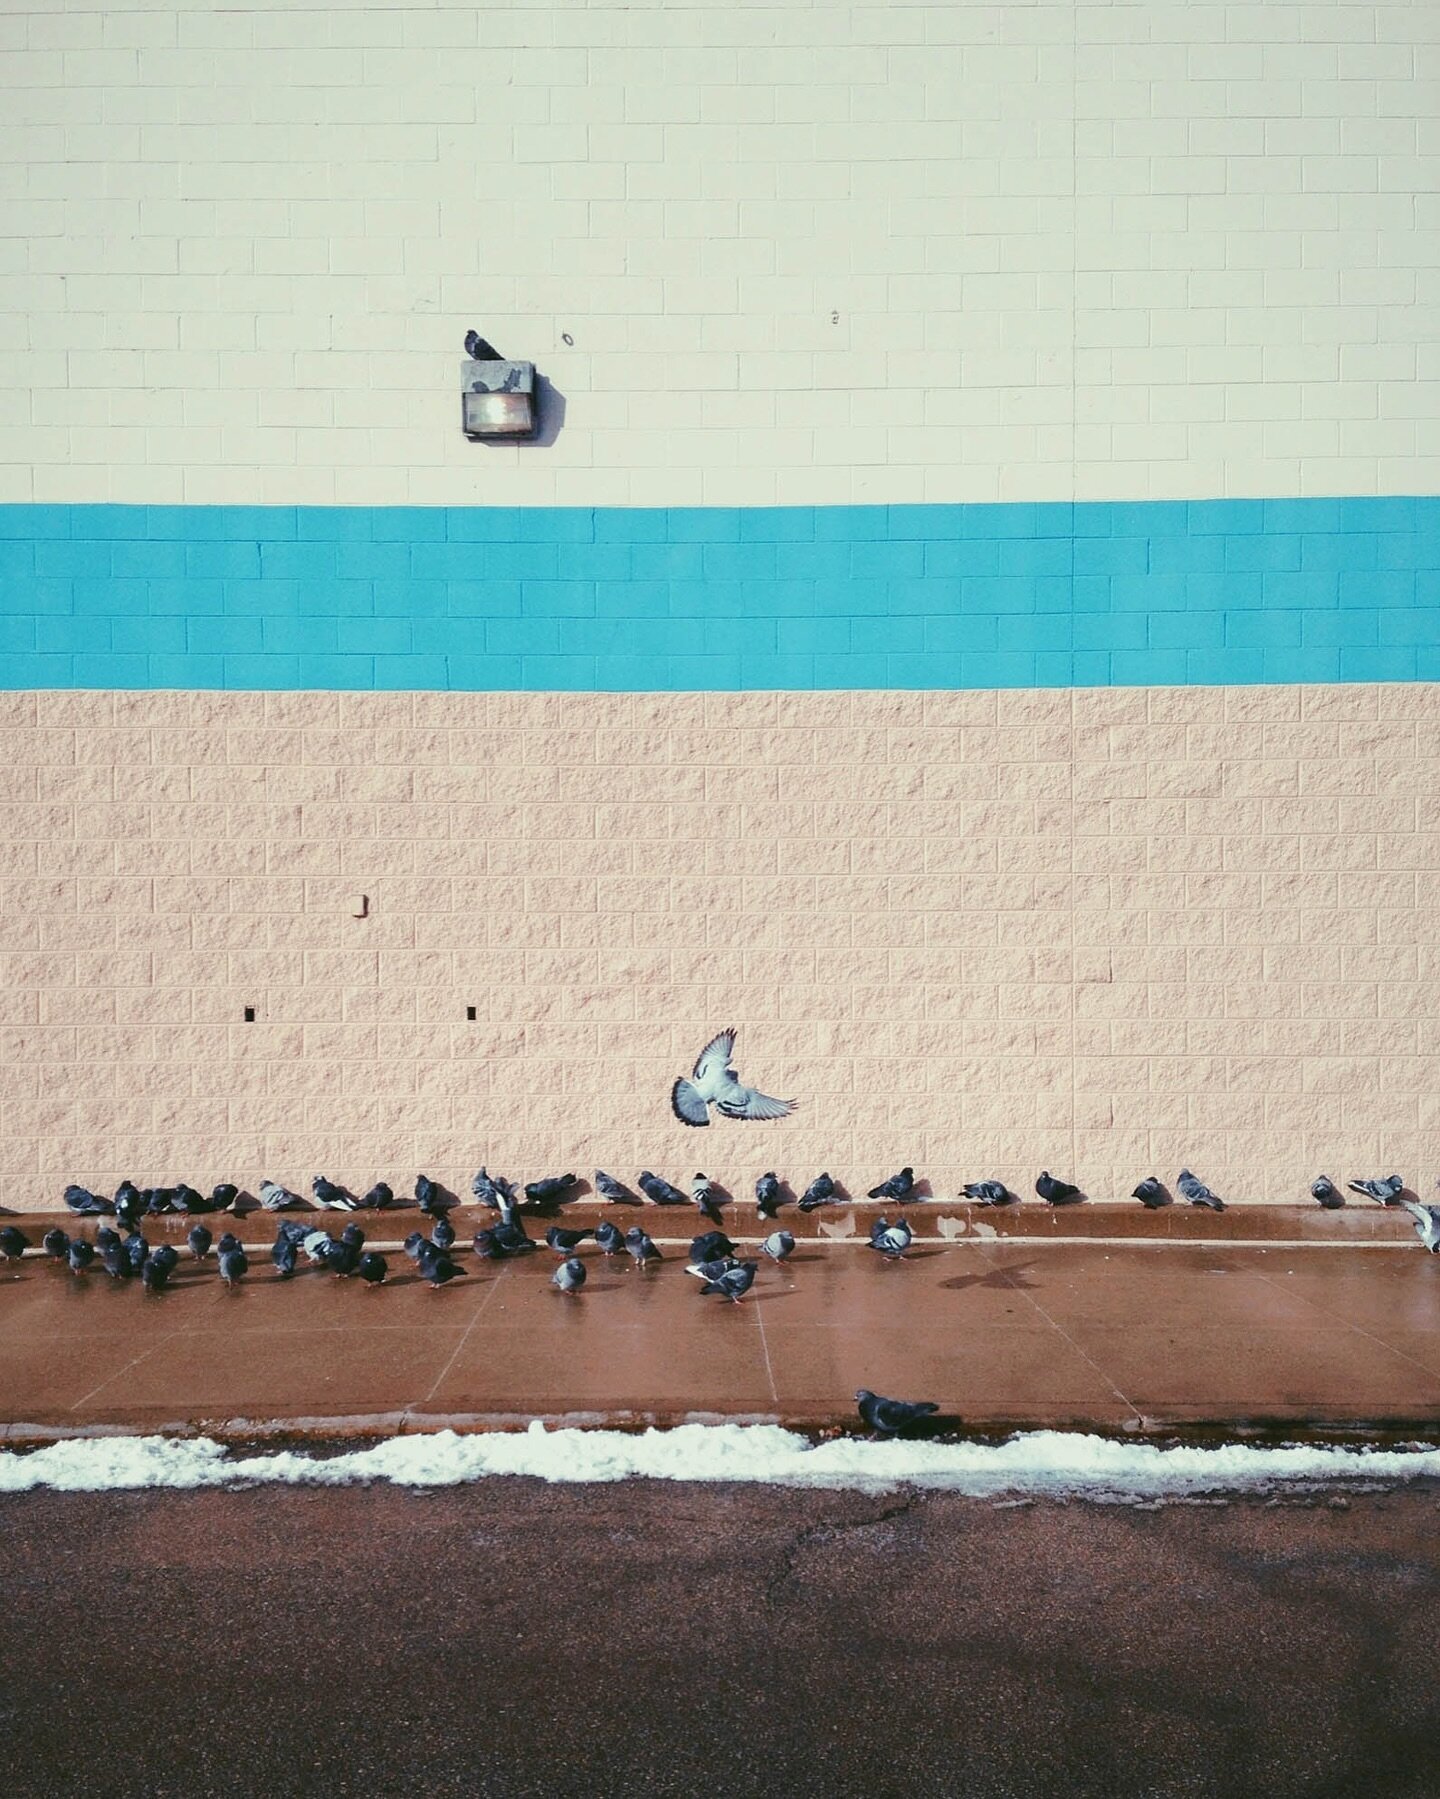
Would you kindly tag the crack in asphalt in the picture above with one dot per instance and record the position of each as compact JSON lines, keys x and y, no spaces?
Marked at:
{"x":827,"y":1530}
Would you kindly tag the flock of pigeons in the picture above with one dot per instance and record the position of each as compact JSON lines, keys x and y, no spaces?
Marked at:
{"x":714,"y":1259}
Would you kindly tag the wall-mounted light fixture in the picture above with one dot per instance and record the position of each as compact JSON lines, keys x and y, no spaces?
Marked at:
{"x":497,"y":400}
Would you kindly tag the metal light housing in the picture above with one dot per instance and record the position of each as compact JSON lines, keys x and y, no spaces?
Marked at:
{"x":497,"y":401}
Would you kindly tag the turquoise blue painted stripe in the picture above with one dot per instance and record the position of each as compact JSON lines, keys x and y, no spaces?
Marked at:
{"x":1093,"y":594}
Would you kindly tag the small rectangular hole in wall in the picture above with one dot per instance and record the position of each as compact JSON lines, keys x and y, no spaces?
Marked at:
{"x":249,"y":1014}
{"x":470,"y":1013}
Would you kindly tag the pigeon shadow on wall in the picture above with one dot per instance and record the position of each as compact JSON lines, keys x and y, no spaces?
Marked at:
{"x":549,"y":413}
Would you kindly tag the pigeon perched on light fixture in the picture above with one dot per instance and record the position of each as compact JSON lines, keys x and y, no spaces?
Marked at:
{"x":480,"y":349}
{"x":713,"y":1082}
{"x":889,"y":1417}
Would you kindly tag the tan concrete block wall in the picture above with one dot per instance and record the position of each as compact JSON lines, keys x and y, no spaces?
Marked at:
{"x":1105,"y":931}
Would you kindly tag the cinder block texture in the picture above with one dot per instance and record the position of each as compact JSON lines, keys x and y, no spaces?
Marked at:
{"x":721,"y":598}
{"x":786,"y":253}
{"x":1106,"y":932}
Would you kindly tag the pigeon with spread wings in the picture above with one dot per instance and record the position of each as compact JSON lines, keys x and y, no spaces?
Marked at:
{"x":714,"y":1082}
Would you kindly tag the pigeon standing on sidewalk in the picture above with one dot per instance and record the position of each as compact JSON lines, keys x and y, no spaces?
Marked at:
{"x":233,"y":1266}
{"x":199,"y":1240}
{"x":1195,"y":1190}
{"x":889,"y":1417}
{"x":13,"y":1243}
{"x":732,"y":1282}
{"x":709,"y":1246}
{"x":565,"y":1243}
{"x":1385,"y":1192}
{"x":1324,"y":1191}
{"x":899,"y":1187}
{"x":372,"y":1268}
{"x":80,"y":1255}
{"x":609,"y":1238}
{"x":56,"y":1244}
{"x":641,"y":1246}
{"x":779,"y":1246}
{"x":892,"y":1240}
{"x":569,"y":1277}
{"x":442,"y":1233}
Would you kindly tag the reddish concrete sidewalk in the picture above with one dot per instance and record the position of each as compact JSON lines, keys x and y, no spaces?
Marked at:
{"x":1146,"y":1336}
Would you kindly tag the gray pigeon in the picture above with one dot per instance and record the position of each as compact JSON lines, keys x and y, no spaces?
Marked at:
{"x":372,"y":1268}
{"x":891,"y":1240}
{"x":569,"y":1277}
{"x":778,"y":1245}
{"x":85,"y":1203}
{"x":767,"y":1196}
{"x":56,"y":1244}
{"x":565,"y":1243}
{"x":713,"y":1082}
{"x":702,"y":1191}
{"x":1056,"y":1192}
{"x":382,"y":1194}
{"x":332,"y":1197}
{"x":430,"y":1196}
{"x":990,"y":1193}
{"x":1385,"y":1192}
{"x":1198,"y":1193}
{"x":641,"y":1246}
{"x":1327,"y":1193}
{"x":283,"y":1255}
{"x":199,"y":1240}
{"x":899,"y":1187}
{"x":233,"y":1266}
{"x":486,"y":1190}
{"x":442,"y":1233}
{"x":709,"y":1246}
{"x":1427,"y":1224}
{"x":544,"y":1192}
{"x":276,"y":1198}
{"x":732,"y":1282}
{"x":223,"y":1196}
{"x":820,"y":1191}
{"x":1151,"y":1193}
{"x":155,"y":1276}
{"x":609,"y":1188}
{"x":888,"y":1417}
{"x":609,"y":1238}
{"x":660,"y":1191}
{"x":80,"y":1255}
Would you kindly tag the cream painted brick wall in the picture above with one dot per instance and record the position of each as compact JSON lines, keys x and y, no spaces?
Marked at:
{"x":1083,"y":250}
{"x":1108,"y":932}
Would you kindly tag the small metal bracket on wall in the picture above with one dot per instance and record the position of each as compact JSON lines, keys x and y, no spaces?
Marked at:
{"x":360,"y":905}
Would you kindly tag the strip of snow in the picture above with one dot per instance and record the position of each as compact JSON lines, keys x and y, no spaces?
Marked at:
{"x":1038,"y":1462}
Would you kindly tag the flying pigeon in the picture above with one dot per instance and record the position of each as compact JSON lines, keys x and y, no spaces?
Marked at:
{"x":778,"y":1245}
{"x":565,"y":1243}
{"x":542,"y":1193}
{"x":713,"y":1082}
{"x":276,"y":1198}
{"x":660,"y":1191}
{"x":233,"y":1266}
{"x":733,"y":1282}
{"x":1327,"y":1193}
{"x":442,"y":1233}
{"x":80,"y":1255}
{"x":1151,"y":1193}
{"x":13,"y":1243}
{"x":641,"y":1246}
{"x":767,"y":1196}
{"x":889,"y":1417}
{"x":331,"y":1197}
{"x":569,"y":1277}
{"x":382,"y":1194}
{"x":898,"y":1187}
{"x":1427,"y":1224}
{"x":479,"y":350}
{"x":709,"y":1246}
{"x":1387,"y":1192}
{"x":88,"y":1205}
{"x":702,"y":1191}
{"x":820,"y":1191}
{"x":1198,"y":1193}
{"x":56,"y":1244}
{"x":372,"y":1268}
{"x":223,"y":1196}
{"x":609,"y":1188}
{"x":891,"y":1240}
{"x":1057,"y":1193}
{"x":430,"y":1196}
{"x":609,"y":1238}
{"x":990,"y":1193}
